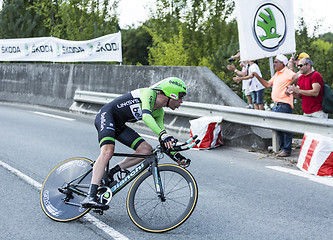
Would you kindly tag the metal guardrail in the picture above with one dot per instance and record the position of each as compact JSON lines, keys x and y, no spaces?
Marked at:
{"x":264,"y":119}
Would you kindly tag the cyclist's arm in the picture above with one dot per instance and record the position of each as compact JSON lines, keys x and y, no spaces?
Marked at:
{"x":155,"y":122}
{"x":153,"y":119}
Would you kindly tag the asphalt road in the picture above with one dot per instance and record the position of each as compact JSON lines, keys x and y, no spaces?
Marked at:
{"x":242,"y":194}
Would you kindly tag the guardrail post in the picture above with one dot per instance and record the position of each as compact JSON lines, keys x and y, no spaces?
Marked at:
{"x":275,"y":141}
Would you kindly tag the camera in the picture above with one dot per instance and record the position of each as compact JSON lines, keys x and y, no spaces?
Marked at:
{"x":231,"y":59}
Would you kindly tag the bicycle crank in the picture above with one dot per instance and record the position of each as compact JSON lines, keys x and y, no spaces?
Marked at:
{"x":104,"y":194}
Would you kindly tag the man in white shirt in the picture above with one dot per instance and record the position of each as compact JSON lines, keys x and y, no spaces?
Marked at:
{"x":255,"y":86}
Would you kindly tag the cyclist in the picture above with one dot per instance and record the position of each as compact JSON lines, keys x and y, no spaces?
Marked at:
{"x":141,"y":104}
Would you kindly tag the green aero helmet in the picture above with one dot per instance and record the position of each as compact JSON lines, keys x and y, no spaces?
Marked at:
{"x":172,"y":87}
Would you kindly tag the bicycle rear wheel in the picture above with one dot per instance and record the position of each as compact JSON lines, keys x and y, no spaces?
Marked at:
{"x":149,"y":212}
{"x":54,"y":202}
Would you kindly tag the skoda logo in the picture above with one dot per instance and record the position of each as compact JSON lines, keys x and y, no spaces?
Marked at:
{"x":269,"y":27}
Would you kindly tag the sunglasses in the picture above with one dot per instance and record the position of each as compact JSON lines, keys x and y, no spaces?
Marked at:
{"x":301,"y":65}
{"x":182,"y":94}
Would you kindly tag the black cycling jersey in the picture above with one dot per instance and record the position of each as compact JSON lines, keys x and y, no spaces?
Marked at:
{"x":131,"y":107}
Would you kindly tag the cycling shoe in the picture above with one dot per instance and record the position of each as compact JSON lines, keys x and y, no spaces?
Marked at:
{"x":91,"y":202}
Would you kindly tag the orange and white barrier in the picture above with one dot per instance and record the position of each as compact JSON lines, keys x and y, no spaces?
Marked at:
{"x":316,"y":155}
{"x":209,"y":131}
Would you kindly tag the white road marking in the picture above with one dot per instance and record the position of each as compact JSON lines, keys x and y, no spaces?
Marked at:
{"x":22,"y":176}
{"x":319,"y":179}
{"x":99,"y":224}
{"x":54,"y":116}
{"x":107,"y":229}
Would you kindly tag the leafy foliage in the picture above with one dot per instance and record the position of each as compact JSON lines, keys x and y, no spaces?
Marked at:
{"x":135,"y":46}
{"x":78,"y":19}
{"x":168,"y":53}
{"x":18,"y":20}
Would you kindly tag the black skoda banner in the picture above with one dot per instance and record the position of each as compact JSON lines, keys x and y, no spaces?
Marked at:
{"x":266,"y":28}
{"x":51,"y":49}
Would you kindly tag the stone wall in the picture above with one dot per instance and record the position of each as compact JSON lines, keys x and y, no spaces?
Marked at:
{"x":54,"y":84}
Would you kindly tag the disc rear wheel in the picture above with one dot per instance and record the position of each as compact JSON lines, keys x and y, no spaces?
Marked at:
{"x":60,"y":200}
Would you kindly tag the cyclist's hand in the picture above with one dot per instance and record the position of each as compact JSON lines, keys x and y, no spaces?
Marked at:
{"x":181,"y":160}
{"x":166,"y":141}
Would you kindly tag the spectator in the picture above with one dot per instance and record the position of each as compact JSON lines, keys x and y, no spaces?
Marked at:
{"x":310,"y":88}
{"x":245,"y":84}
{"x":255,"y":86}
{"x":282,"y":102}
{"x":293,"y":62}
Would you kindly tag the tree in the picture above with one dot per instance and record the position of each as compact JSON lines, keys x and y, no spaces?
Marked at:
{"x":135,"y":46}
{"x":78,"y":19}
{"x":18,"y":20}
{"x":203,"y":23}
{"x":67,"y":19}
{"x":327,"y":37}
{"x":168,"y":53}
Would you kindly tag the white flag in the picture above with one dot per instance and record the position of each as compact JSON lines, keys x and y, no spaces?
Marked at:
{"x":266,"y":28}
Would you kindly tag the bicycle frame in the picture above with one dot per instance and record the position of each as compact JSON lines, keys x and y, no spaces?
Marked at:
{"x":151,"y":208}
{"x":150,"y":160}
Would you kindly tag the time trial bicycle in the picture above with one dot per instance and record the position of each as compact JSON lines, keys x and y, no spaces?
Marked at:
{"x":161,"y":198}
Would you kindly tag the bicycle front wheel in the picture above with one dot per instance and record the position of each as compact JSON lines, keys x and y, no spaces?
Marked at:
{"x":58,"y":201}
{"x":149,"y":212}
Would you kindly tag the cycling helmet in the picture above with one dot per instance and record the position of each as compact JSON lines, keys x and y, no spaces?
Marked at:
{"x":172,"y":87}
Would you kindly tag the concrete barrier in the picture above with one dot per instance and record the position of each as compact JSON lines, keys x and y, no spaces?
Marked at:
{"x":55,"y":84}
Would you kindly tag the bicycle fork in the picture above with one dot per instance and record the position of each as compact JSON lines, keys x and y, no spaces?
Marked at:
{"x":157,"y":182}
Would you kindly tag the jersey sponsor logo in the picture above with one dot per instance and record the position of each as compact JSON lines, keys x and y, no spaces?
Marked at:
{"x":128,"y":103}
{"x":110,"y":127}
{"x":103,"y":120}
{"x":136,"y":111}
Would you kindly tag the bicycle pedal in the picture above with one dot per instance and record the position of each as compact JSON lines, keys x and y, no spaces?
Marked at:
{"x":99,"y":211}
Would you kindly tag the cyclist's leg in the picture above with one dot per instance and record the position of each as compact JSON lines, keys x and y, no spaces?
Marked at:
{"x":144,"y":149}
{"x":132,"y":139}
{"x":104,"y":157}
{"x":106,"y":136}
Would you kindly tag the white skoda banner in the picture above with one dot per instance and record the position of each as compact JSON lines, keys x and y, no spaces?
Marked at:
{"x":51,"y":49}
{"x":266,"y":28}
